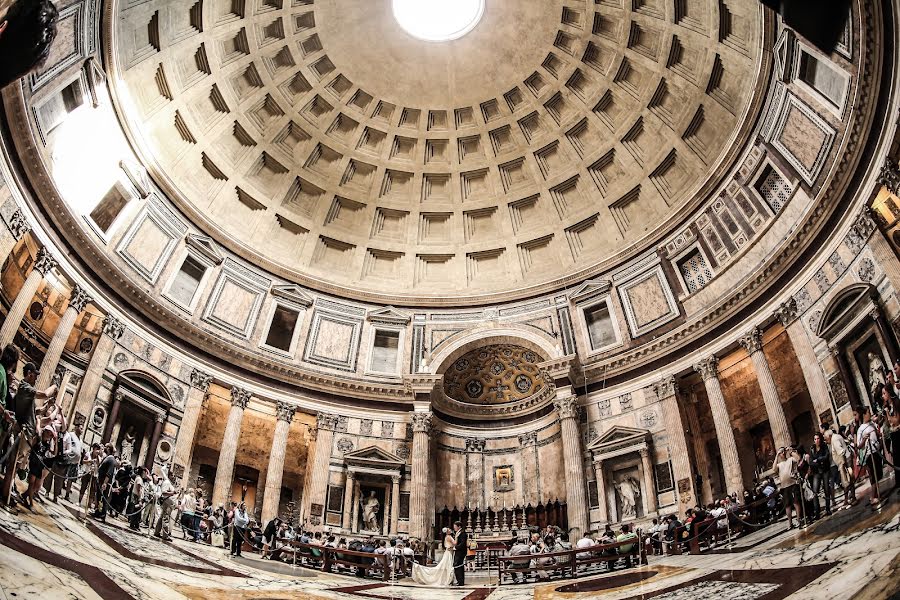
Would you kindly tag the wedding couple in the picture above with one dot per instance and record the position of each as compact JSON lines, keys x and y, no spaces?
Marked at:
{"x":451,"y":564}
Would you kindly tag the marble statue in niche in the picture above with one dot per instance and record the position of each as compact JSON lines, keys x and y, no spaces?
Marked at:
{"x":370,"y":511}
{"x":127,"y":448}
{"x":628,"y":492}
{"x":876,"y":371}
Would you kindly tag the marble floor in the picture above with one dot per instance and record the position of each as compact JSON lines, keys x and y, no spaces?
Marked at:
{"x":51,"y":554}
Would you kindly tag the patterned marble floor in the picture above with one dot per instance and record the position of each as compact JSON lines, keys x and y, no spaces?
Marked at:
{"x":50,"y":554}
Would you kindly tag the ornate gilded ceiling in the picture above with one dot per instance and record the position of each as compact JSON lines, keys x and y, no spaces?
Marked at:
{"x":322,"y":142}
{"x":495,"y":374}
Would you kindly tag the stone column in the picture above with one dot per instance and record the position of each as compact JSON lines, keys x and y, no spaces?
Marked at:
{"x":113,"y":329}
{"x":77,"y":302}
{"x":184,"y":444}
{"x":846,"y":376}
{"x":225,"y":467}
{"x":703,"y":465}
{"x":709,"y":371}
{"x":318,"y":483}
{"x":113,"y":416}
{"x":752,"y":343}
{"x":601,"y":491}
{"x":576,"y":498}
{"x":43,"y":263}
{"x":354,"y":517}
{"x":154,"y":441}
{"x":649,"y":483}
{"x":348,"y":501}
{"x":667,"y":391}
{"x":813,"y":375}
{"x":395,"y":505}
{"x":884,"y":329}
{"x":418,"y":506}
{"x":284,"y":414}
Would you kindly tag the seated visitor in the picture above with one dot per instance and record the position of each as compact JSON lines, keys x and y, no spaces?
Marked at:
{"x":520,"y":548}
{"x":627,"y":549}
{"x":586,"y":541}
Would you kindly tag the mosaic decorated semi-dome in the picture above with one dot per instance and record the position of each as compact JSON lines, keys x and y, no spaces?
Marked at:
{"x":494,"y":374}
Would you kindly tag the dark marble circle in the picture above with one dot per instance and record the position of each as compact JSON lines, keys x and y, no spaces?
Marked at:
{"x":607,"y":583}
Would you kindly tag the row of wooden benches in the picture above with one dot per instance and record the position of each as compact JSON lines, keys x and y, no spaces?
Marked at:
{"x":568,"y":562}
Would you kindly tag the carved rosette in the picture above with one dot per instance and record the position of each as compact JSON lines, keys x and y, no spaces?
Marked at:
{"x":422,"y":422}
{"x":787,"y":312}
{"x":751,"y":341}
{"x":79,"y":298}
{"x":567,"y":407}
{"x":200,"y":380}
{"x":19,"y":225}
{"x":528,"y":439}
{"x":113,"y":327}
{"x":284,"y":411}
{"x":44,"y":261}
{"x":708,"y":368}
{"x":475,"y":444}
{"x":665,"y":387}
{"x":240,"y":397}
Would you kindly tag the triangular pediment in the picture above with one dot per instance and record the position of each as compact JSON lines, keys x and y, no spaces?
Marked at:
{"x":389,"y":315}
{"x":589,"y":289}
{"x":619,"y":437}
{"x":292,"y":293}
{"x":373,"y":456}
{"x":205,"y":246}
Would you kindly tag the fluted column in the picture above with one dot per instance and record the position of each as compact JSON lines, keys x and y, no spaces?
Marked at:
{"x":709,"y":371}
{"x":806,"y":356}
{"x":113,"y":416}
{"x":884,"y":328}
{"x":225,"y":467}
{"x":752,"y":343}
{"x":184,"y":445}
{"x":348,"y":501}
{"x":113,"y":329}
{"x":418,"y":505}
{"x":154,"y":441}
{"x":43,"y":263}
{"x":284,"y":414}
{"x":601,"y":491}
{"x":77,"y":302}
{"x":395,"y":505}
{"x":528,"y":450}
{"x":649,"y":483}
{"x":576,"y":498}
{"x":318,"y":483}
{"x":667,"y":391}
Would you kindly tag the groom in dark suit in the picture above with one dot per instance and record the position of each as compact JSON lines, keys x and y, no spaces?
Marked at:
{"x":459,"y":553}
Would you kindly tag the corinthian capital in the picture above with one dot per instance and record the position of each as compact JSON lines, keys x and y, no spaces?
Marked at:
{"x":240,"y":397}
{"x":44,"y":261}
{"x":19,"y":225}
{"x":284,"y":411}
{"x":79,"y":298}
{"x":665,"y":387}
{"x":566,"y":407}
{"x":113,"y":327}
{"x":200,"y":380}
{"x":421,"y":422}
{"x":787,"y":312}
{"x":708,"y":367}
{"x":751,"y":341}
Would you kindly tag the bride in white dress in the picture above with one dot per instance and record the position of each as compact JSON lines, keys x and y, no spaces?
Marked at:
{"x":440,"y":575}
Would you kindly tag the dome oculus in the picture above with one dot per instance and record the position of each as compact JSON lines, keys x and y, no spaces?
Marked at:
{"x":438,"y":20}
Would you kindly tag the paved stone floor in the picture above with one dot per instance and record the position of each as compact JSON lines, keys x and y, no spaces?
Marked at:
{"x":51,"y":554}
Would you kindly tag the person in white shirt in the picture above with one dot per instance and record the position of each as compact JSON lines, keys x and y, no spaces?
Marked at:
{"x":166,"y":503}
{"x":587,"y":541}
{"x":869,"y":447}
{"x":786,"y":464}
{"x":241,"y":520}
{"x":70,"y":458}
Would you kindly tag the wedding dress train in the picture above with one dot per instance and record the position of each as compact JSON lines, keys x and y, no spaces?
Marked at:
{"x":440,"y":575}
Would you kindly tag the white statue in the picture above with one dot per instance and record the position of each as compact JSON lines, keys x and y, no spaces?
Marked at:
{"x":127,"y":448}
{"x":370,"y":506}
{"x":876,"y":371}
{"x":628,"y":490}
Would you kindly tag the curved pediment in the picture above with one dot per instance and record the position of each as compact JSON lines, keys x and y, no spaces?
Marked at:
{"x":843,"y":307}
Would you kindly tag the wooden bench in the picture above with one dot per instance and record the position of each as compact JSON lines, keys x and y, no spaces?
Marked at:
{"x":376,"y":565}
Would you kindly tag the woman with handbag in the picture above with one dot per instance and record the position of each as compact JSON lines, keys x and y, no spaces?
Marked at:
{"x":868,"y":447}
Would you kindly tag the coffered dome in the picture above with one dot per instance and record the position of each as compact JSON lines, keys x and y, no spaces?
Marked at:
{"x":323,"y":142}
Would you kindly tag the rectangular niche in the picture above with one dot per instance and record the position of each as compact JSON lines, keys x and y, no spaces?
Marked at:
{"x":282,"y":328}
{"x":385,"y":356}
{"x":602,"y":331}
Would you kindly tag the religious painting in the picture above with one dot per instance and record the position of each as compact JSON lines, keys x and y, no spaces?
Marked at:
{"x":335,"y":498}
{"x":316,"y":509}
{"x":627,"y":485}
{"x":371,"y":509}
{"x":764,"y":449}
{"x":503,"y":478}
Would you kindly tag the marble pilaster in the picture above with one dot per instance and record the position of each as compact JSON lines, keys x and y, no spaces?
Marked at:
{"x":193,"y":406}
{"x":228,"y":450}
{"x":752,"y":343}
{"x":475,"y":492}
{"x":418,"y":506}
{"x":284,"y":414}
{"x":649,"y":483}
{"x":348,"y":501}
{"x":601,"y":491}
{"x":709,"y":371}
{"x":314,"y":497}
{"x":576,"y":497}
{"x":154,"y":440}
{"x":43,"y":263}
{"x":530,"y":481}
{"x":667,"y":391}
{"x":112,"y":331}
{"x":77,"y":301}
{"x":395,"y":505}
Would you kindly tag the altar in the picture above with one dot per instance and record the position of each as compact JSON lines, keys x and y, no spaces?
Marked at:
{"x":372,"y":492}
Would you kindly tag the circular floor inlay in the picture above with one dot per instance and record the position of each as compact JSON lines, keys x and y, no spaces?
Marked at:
{"x":438,"y":20}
